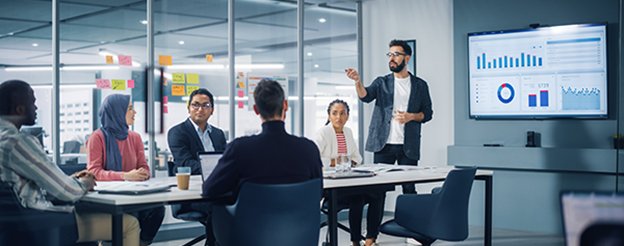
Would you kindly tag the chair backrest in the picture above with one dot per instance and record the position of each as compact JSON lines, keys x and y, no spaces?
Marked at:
{"x":70,"y":169}
{"x":603,"y":234}
{"x":71,"y":147}
{"x":449,"y":213}
{"x":171,"y":169}
{"x":273,"y":214}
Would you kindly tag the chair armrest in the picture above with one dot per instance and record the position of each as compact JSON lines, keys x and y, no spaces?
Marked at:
{"x":414,"y":210}
{"x":436,"y":190}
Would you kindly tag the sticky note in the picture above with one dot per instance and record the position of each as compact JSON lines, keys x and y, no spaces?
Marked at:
{"x":131,"y":83}
{"x":164,"y":81}
{"x":241,"y":93}
{"x":192,"y":78}
{"x":177,"y":90}
{"x":178,"y":78}
{"x":241,"y":75}
{"x":208,"y":58}
{"x":241,"y":84}
{"x":241,"y":104}
{"x":190,"y":89}
{"x":119,"y":84}
{"x":164,"y":60}
{"x":165,"y":100}
{"x":165,"y":110}
{"x":109,"y":60}
{"x":103,"y":83}
{"x":125,"y":60}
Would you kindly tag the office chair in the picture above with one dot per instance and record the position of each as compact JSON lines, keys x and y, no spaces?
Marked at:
{"x":603,"y":234}
{"x":24,"y":226}
{"x":184,"y":214}
{"x":270,"y":214}
{"x":325,"y":210}
{"x":442,"y":214}
{"x":71,"y":147}
{"x":70,"y":169}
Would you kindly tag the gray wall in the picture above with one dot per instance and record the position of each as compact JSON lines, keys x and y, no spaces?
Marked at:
{"x":575,"y":154}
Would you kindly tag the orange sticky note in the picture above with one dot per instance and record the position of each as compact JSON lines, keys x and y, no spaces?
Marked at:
{"x":241,"y":84}
{"x":102,"y":83}
{"x":125,"y":60}
{"x":241,"y":93}
{"x":190,"y":89}
{"x":131,"y":83}
{"x":165,"y":110}
{"x":119,"y":84}
{"x":208,"y":58}
{"x":109,"y":60}
{"x":177,"y":90}
{"x":241,"y":104}
{"x":164,"y":60}
{"x":165,"y":100}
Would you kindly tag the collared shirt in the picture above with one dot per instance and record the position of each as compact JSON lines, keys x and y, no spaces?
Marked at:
{"x":204,"y":136}
{"x":34,"y":179}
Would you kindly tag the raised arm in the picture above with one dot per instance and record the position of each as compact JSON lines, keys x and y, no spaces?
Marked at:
{"x":359,"y":87}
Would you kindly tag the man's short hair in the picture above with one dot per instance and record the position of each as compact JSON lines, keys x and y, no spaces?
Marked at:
{"x":269,"y":97}
{"x":406,"y":48}
{"x":201,"y":91}
{"x":12,"y":94}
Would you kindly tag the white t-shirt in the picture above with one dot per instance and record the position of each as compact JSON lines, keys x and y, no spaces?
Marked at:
{"x":402,"y":88}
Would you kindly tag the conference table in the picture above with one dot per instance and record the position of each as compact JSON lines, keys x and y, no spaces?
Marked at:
{"x":117,"y":205}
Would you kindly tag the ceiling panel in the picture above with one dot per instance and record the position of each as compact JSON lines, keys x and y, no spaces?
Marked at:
{"x":110,"y":3}
{"x":9,"y":26}
{"x":44,"y":45}
{"x":18,"y":57}
{"x":84,"y":33}
{"x":42,"y":10}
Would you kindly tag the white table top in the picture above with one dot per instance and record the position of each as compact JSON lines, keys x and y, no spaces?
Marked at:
{"x":195,"y":189}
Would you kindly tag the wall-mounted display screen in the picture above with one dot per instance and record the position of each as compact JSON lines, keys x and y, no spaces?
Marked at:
{"x":546,"y":72}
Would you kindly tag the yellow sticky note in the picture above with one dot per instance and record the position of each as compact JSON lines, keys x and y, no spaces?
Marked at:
{"x":164,"y":60}
{"x":109,"y":60}
{"x":177,"y":90}
{"x":241,"y":84}
{"x":190,"y":89}
{"x":119,"y":84}
{"x":178,"y":78}
{"x":208,"y":58}
{"x":192,"y":78}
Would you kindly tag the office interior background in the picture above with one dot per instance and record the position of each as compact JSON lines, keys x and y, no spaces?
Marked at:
{"x":575,"y":154}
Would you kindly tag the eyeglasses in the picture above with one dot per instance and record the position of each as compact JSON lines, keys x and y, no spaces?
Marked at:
{"x":196,"y":106}
{"x":395,"y":54}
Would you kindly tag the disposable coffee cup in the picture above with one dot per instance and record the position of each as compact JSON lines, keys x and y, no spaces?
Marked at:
{"x":184,"y":177}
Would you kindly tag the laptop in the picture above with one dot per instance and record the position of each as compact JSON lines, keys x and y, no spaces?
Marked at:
{"x":346,"y":175}
{"x":208,"y":162}
{"x":582,"y":209}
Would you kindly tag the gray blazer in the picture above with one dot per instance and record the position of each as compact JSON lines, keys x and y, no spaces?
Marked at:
{"x":382,"y":89}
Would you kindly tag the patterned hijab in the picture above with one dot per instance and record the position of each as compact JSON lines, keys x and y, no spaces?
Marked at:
{"x":114,"y":127}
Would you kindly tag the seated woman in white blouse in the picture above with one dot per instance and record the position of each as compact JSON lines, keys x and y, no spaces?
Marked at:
{"x":334,"y":140}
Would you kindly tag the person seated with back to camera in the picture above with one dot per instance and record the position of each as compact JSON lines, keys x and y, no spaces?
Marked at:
{"x":115,"y":153}
{"x":36,"y":181}
{"x":335,"y":140}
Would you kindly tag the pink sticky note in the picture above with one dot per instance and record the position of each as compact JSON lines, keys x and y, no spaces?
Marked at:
{"x":131,"y":83}
{"x":125,"y":60}
{"x":241,"y":104}
{"x":103,"y":84}
{"x":165,"y":110}
{"x":241,"y":93}
{"x":165,"y":100}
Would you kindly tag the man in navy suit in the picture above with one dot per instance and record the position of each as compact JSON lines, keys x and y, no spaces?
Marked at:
{"x":271,"y":157}
{"x":192,"y":136}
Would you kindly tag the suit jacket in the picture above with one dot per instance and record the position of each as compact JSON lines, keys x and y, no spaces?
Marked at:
{"x":272,"y":157}
{"x":382,"y":89}
{"x":184,"y":144}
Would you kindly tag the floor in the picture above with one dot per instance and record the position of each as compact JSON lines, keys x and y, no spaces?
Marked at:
{"x":500,"y":237}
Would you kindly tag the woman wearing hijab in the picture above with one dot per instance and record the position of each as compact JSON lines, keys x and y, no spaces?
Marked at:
{"x":114,"y":153}
{"x":334,"y":140}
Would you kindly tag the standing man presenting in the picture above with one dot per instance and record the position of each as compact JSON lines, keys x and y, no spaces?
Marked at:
{"x":403,"y":104}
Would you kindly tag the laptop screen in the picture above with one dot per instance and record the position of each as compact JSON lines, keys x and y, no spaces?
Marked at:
{"x":208,"y":162}
{"x":582,"y":209}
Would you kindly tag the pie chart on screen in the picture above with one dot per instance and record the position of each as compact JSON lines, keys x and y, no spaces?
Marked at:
{"x":506,"y":93}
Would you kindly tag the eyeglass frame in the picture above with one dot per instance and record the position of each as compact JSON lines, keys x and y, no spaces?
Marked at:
{"x":395,"y":54}
{"x":196,"y":106}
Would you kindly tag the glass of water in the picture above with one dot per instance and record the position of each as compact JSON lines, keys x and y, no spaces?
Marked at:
{"x":343,"y":163}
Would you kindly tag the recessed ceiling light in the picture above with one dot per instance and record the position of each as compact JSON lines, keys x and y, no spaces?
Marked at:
{"x":35,"y":44}
{"x":316,"y":65}
{"x":322,"y":20}
{"x":309,"y":53}
{"x":181,"y":42}
{"x":144,"y":22}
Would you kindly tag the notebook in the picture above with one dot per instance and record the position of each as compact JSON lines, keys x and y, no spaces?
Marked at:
{"x":582,"y":209}
{"x":208,"y":162}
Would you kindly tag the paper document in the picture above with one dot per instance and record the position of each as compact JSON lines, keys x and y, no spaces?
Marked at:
{"x":131,"y":188}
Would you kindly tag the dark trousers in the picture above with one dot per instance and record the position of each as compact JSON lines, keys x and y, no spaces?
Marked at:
{"x":150,"y":221}
{"x":374,"y":215}
{"x":394,"y":152}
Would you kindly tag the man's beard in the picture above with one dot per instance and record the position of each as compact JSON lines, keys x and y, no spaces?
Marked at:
{"x":398,"y":68}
